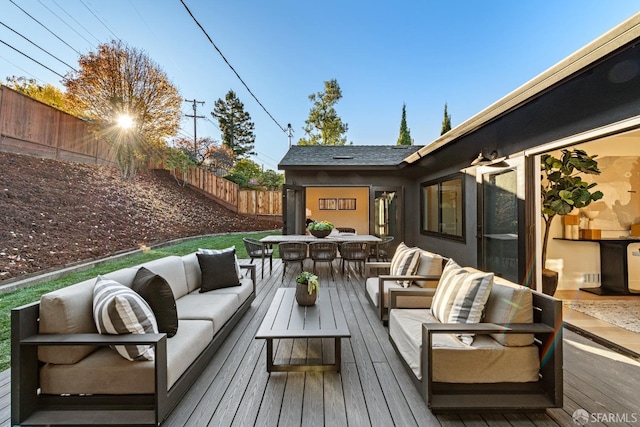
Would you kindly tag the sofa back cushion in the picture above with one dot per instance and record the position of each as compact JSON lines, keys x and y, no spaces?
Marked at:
{"x":430,"y":265}
{"x":69,"y":311}
{"x":510,"y":303}
{"x":172,"y":269}
{"x":192,"y":271}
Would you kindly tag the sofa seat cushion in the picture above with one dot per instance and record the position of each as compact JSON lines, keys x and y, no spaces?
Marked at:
{"x":372,"y":287}
{"x":243,"y":292}
{"x":214,"y":307}
{"x":484,"y":361}
{"x":105,"y":372}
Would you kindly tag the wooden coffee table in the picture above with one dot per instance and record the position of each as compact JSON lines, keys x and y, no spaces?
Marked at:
{"x":287,"y":319}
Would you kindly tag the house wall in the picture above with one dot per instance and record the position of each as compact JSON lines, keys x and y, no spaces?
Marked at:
{"x":605,"y":93}
{"x":358,"y":218}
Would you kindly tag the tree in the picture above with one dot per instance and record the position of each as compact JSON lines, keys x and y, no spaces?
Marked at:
{"x":405,"y":134}
{"x":324,"y":126}
{"x":179,"y":159}
{"x":248,"y":168}
{"x":203,"y":148}
{"x":220,"y":157}
{"x":236,"y":125}
{"x":119,"y":80}
{"x":271,"y":179}
{"x":47,"y":93}
{"x":446,"y":121}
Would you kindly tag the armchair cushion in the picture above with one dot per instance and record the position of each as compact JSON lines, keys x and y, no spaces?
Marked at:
{"x":484,"y":361}
{"x":461,"y":296}
{"x":405,"y":263}
{"x":430,"y":265}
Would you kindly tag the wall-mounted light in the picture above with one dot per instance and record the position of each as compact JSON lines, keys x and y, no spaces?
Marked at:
{"x":488,"y":157}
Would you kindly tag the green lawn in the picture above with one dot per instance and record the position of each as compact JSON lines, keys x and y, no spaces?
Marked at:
{"x":33,"y":293}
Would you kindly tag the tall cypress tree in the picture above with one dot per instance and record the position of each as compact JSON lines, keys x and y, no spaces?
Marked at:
{"x":236,"y":125}
{"x":405,"y":134}
{"x":446,"y":121}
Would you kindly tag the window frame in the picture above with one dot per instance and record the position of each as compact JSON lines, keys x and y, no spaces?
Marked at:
{"x":423,"y":199}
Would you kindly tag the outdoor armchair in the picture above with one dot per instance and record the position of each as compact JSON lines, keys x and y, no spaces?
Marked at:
{"x":292,"y":252}
{"x":256,"y":249}
{"x":323,"y":252}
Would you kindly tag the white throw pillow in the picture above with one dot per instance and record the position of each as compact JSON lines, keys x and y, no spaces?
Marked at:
{"x":118,"y":310}
{"x":461,"y":296}
{"x":219,"y":251}
{"x":405,"y":263}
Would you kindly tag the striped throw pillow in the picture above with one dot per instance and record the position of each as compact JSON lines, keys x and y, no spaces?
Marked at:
{"x":405,"y":263}
{"x":118,"y":310}
{"x":461,"y":296}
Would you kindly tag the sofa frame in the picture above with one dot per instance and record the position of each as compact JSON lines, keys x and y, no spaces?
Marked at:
{"x":29,"y":407}
{"x":545,"y":393}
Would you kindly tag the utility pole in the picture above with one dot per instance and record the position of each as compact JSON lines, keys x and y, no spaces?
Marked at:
{"x":195,"y":117}
{"x":289,"y":131}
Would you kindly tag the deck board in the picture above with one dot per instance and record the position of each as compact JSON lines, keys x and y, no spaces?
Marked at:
{"x":373,"y":388}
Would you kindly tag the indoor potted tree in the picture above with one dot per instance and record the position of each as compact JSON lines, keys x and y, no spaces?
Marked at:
{"x":306,"y":288}
{"x":563,"y":190}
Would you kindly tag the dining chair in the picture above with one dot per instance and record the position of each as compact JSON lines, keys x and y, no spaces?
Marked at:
{"x":292,"y":252}
{"x":257,"y":250}
{"x":357,"y":252}
{"x":323,"y":252}
{"x":382,"y":251}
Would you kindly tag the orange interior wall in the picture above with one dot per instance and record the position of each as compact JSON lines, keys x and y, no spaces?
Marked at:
{"x":358,"y":219}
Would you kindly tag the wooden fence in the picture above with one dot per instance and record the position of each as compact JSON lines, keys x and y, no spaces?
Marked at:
{"x":28,"y":126}
{"x":262,"y":204}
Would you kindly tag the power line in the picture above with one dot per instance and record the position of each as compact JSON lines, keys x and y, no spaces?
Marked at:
{"x":96,"y":16}
{"x":230,"y":66}
{"x":23,"y":70}
{"x":76,"y":21}
{"x":42,"y":49}
{"x":63,"y":21}
{"x":45,"y":27}
{"x":37,"y":62}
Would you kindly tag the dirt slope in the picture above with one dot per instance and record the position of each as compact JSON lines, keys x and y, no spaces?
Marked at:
{"x":54,"y":213}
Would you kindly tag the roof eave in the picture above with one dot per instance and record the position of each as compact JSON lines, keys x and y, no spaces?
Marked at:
{"x":604,"y":45}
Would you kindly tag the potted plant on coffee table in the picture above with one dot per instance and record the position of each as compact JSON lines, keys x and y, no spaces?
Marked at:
{"x":306,"y":288}
{"x":563,"y":190}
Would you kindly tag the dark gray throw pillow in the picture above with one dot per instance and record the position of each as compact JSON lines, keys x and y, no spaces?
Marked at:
{"x":218,"y":271}
{"x":158,"y":294}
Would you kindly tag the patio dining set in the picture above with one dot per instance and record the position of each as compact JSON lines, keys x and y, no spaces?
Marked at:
{"x":344,"y":245}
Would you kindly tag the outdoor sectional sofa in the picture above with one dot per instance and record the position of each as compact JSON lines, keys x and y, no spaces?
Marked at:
{"x":514,"y":361}
{"x":64,"y":372}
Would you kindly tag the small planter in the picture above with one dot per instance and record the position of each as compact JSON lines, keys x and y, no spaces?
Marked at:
{"x":303,"y":297}
{"x":320,"y":233}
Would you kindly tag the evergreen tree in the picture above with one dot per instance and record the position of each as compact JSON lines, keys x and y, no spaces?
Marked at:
{"x":446,"y":121}
{"x":236,"y":125}
{"x":405,"y":134}
{"x":324,"y":126}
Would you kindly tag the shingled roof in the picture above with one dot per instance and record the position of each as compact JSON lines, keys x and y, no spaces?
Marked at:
{"x":346,"y":156}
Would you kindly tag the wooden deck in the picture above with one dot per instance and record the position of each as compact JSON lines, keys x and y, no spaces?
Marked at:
{"x":373,"y":389}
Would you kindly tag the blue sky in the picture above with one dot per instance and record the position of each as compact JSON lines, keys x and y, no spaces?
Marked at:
{"x":468,"y":54}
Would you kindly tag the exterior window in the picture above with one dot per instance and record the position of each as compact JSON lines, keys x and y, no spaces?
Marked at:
{"x":442,"y":207}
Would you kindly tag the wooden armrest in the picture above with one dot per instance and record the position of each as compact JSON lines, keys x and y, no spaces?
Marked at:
{"x":389,"y":277}
{"x":252,"y":269}
{"x":487,"y":328}
{"x":408,"y":292}
{"x":369,"y":265}
{"x":93,"y":339}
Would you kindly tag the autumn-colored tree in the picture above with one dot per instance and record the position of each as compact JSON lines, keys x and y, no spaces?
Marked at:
{"x":118,"y":80}
{"x":324,"y":126}
{"x":203,"y":146}
{"x":47,"y":93}
{"x":220,"y":157}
